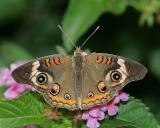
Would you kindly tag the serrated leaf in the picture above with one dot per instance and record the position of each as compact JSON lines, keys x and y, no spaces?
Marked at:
{"x":22,"y":111}
{"x":11,"y":52}
{"x":28,"y":109}
{"x":134,"y":114}
{"x":82,"y":14}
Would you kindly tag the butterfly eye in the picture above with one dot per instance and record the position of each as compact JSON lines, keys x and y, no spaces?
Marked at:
{"x":41,"y":78}
{"x":116,"y":76}
{"x":55,"y":89}
{"x":102,"y":87}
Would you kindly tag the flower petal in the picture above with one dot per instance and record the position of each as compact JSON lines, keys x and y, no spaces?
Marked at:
{"x":94,"y":112}
{"x":101,"y":115}
{"x":116,"y":99}
{"x":103,"y":108}
{"x":124,"y":96}
{"x":112,"y":110}
{"x":14,"y":90}
{"x":92,"y":123}
{"x":9,"y":94}
{"x":85,"y":115}
{"x":5,"y":78}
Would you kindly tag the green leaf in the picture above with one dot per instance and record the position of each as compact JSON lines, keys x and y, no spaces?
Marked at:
{"x":148,"y":8}
{"x":28,"y":109}
{"x":22,"y":111}
{"x":11,"y":52}
{"x":82,"y":14}
{"x":2,"y":90}
{"x":134,"y":114}
{"x":2,"y":62}
{"x":146,"y":18}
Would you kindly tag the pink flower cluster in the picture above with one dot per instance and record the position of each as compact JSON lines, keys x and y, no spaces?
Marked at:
{"x":98,"y":113}
{"x":14,"y":89}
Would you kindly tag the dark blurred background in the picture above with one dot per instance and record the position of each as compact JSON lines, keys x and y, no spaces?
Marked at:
{"x":28,"y":29}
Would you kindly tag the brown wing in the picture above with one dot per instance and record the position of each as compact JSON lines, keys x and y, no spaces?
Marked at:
{"x":104,"y":75}
{"x":53,"y":77}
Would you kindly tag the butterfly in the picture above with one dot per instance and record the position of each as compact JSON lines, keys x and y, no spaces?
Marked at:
{"x":79,"y":82}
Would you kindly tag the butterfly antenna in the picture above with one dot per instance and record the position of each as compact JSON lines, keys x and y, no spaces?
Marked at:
{"x":67,"y":35}
{"x":90,"y":36}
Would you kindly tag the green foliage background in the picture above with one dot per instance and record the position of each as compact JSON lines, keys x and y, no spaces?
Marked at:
{"x":28,"y":29}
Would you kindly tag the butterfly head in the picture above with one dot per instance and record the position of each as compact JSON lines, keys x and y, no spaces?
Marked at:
{"x":79,"y":52}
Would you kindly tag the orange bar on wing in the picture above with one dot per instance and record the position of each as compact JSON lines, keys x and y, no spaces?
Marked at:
{"x":109,"y":60}
{"x":56,"y":60}
{"x":47,"y":62}
{"x":100,"y":59}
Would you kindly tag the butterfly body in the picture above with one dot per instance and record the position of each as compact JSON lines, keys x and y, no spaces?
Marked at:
{"x":81,"y":81}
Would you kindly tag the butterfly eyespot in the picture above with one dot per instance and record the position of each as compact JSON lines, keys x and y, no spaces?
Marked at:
{"x":55,"y":89}
{"x":116,"y":76}
{"x":102,"y":87}
{"x":67,"y":96}
{"x":41,"y":78}
{"x":90,"y":94}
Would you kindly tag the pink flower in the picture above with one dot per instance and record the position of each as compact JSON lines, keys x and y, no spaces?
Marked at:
{"x":14,"y":89}
{"x":5,"y":77}
{"x":112,"y":108}
{"x":97,"y":113}
{"x":121,"y":97}
{"x":92,"y":117}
